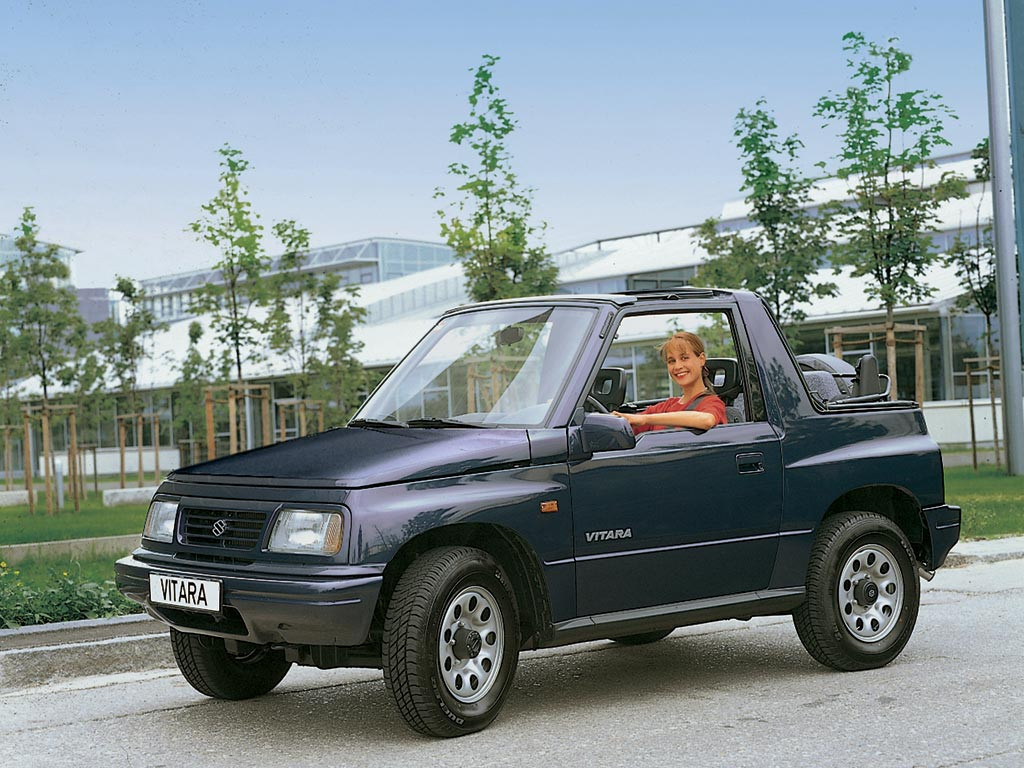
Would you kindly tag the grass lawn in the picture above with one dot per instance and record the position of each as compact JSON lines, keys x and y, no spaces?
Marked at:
{"x":992,"y":501}
{"x":17,"y":526}
{"x":42,"y":572}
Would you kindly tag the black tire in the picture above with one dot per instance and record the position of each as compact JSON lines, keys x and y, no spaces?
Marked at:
{"x":426,"y":604}
{"x":843,"y":623}
{"x":643,"y":638}
{"x":214,"y":672}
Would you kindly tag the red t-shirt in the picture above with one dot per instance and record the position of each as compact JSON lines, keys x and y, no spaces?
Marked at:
{"x":710,"y":404}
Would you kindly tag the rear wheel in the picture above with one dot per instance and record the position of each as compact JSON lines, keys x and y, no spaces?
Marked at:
{"x":643,"y":638}
{"x":214,"y":672}
{"x":863,"y":593}
{"x":451,"y":641}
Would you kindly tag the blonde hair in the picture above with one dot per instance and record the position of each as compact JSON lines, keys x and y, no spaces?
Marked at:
{"x":694,"y":344}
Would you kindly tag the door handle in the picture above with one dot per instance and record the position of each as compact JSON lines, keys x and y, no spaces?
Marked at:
{"x":749,"y":463}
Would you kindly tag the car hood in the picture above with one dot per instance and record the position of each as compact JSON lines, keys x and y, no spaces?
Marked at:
{"x":352,"y":457}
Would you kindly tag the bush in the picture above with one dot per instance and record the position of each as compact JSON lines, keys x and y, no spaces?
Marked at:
{"x":67,"y":597}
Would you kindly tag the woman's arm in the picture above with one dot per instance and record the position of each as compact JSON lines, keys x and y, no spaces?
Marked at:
{"x":691,"y":419}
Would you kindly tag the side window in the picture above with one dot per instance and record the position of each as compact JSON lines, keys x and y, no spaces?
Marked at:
{"x":635,"y":350}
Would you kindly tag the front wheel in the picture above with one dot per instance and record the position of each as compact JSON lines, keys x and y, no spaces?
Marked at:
{"x":451,"y":641}
{"x":863,"y":593}
{"x":211,"y":670}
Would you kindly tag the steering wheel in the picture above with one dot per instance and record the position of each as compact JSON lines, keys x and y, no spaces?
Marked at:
{"x":595,"y":404}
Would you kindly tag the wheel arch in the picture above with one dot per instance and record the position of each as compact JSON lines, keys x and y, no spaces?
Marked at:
{"x":508,"y":548}
{"x":891,"y":501}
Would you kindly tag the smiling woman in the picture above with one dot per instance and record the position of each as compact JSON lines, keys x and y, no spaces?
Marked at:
{"x":698,"y":407}
{"x":681,"y":370}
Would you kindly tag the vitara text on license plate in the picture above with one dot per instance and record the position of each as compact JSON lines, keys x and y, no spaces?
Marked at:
{"x":198,"y":594}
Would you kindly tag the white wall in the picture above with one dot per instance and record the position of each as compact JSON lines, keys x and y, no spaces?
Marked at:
{"x":949,"y":421}
{"x":108,"y":460}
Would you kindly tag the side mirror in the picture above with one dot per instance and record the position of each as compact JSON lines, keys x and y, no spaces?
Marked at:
{"x":609,"y":387}
{"x":603,"y":432}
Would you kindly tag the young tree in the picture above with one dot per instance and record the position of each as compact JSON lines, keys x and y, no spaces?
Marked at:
{"x":231,"y":226}
{"x":50,"y":330}
{"x":93,"y":404}
{"x":318,"y":341}
{"x":123,"y":345}
{"x":189,"y":392}
{"x":887,"y":143}
{"x":338,"y":378}
{"x":489,"y":226}
{"x":973,"y":257}
{"x":12,"y":363}
{"x":780,"y":255}
{"x":294,"y":338}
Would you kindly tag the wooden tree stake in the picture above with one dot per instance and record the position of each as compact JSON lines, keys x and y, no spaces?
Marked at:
{"x":73,"y":459}
{"x":47,"y":475}
{"x":211,"y":438}
{"x":122,"y":435}
{"x":27,"y":459}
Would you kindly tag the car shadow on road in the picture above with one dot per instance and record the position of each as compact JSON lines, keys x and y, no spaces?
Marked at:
{"x":595,"y":677}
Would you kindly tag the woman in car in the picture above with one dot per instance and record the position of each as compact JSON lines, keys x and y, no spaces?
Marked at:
{"x":698,"y":407}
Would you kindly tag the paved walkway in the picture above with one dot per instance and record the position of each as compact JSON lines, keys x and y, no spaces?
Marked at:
{"x":40,"y":654}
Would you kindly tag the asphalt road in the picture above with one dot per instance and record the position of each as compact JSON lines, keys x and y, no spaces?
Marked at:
{"x":728,"y":694}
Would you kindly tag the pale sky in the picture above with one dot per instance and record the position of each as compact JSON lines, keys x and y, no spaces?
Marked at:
{"x":111,"y":112}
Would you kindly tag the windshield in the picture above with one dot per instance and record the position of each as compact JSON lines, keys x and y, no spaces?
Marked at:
{"x":498,"y":367}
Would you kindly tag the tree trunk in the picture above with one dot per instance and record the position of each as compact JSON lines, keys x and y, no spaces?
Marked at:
{"x":890,"y":350}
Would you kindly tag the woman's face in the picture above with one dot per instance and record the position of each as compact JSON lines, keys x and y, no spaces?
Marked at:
{"x":683,"y":365}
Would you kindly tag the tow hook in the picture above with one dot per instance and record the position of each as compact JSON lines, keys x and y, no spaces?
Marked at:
{"x":924,"y":573}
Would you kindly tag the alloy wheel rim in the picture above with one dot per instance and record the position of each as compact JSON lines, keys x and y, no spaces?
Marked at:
{"x":870,"y":593}
{"x":470,"y":644}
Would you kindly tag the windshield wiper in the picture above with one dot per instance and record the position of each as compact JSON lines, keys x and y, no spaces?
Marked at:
{"x":435,"y":422}
{"x":386,"y":423}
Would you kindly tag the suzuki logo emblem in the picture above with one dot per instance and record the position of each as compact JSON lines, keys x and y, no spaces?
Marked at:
{"x":220,"y":527}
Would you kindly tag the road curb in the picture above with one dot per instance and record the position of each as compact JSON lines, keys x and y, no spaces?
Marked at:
{"x":29,"y":667}
{"x":45,"y":653}
{"x":960,"y":561}
{"x":100,"y":545}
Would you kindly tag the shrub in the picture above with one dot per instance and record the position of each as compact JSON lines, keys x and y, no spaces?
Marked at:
{"x":67,"y":597}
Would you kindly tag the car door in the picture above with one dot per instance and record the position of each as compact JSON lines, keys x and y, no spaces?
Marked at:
{"x":682,"y":516}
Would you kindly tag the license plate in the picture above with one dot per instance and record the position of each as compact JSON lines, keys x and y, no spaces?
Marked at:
{"x":196,"y":594}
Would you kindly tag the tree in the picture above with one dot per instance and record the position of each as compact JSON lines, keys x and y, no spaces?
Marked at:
{"x":50,"y":330}
{"x":294,"y":338}
{"x":12,"y":362}
{"x":318,"y":341}
{"x":231,"y":226}
{"x":887,"y":143}
{"x":338,"y":378}
{"x":780,"y":255}
{"x":123,"y":344}
{"x":489,"y":227}
{"x":974,"y":257}
{"x":189,"y":391}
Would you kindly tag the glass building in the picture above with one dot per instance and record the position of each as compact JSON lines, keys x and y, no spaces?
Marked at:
{"x":360,"y":262}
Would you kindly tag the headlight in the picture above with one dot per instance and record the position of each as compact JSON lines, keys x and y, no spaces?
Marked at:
{"x":305,"y":532}
{"x":160,"y":521}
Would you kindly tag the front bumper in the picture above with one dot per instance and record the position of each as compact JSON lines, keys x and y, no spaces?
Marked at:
{"x":943,"y":523}
{"x":259,"y":608}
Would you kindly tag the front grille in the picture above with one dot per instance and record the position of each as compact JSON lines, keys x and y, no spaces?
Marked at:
{"x":242,"y":529}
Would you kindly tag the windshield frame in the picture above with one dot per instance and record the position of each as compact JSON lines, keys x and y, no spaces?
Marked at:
{"x":586,"y":347}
